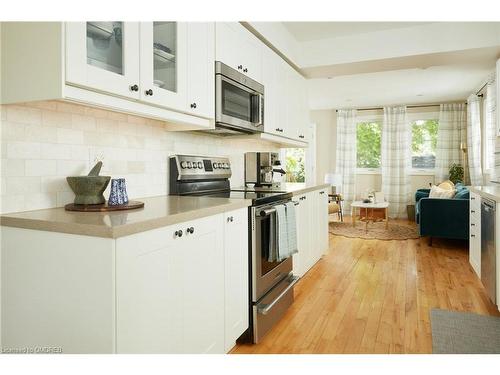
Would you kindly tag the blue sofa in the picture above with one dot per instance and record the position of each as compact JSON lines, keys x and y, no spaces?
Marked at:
{"x":443,"y":218}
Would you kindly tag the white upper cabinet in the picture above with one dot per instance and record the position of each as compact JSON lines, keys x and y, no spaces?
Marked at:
{"x":271,"y":81}
{"x":150,"y":69}
{"x":104,"y":56}
{"x":285,"y":110}
{"x":163,"y":72}
{"x":238,"y":48}
{"x":303,"y":118}
{"x":201,"y":69}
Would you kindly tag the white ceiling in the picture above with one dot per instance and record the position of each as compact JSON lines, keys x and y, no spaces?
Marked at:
{"x":307,"y":31}
{"x":372,"y":64}
{"x":408,"y":86}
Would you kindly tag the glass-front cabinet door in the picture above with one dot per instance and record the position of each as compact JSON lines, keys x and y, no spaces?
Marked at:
{"x":163,"y":63}
{"x":104,"y":55}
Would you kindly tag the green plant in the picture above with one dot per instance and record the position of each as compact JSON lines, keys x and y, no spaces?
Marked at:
{"x":295,"y":164}
{"x":456,"y":173}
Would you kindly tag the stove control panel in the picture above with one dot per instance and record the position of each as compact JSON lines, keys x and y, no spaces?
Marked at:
{"x":200,"y":167}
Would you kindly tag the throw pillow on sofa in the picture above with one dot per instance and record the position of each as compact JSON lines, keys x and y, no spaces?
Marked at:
{"x":447,"y":185}
{"x":438,"y":192}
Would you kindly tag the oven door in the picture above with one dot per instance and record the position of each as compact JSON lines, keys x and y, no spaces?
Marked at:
{"x":238,"y":106}
{"x":266,"y":273}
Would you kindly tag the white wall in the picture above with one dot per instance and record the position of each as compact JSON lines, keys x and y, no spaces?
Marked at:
{"x":43,"y":142}
{"x":326,"y":139}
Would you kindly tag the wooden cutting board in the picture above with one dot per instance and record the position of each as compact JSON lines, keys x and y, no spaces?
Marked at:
{"x":103,"y":207}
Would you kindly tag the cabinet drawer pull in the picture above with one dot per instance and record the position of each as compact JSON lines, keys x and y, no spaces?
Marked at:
{"x":190,"y":230}
{"x":472,"y":224}
{"x":193,"y":105}
{"x":240,"y":67}
{"x":178,"y":233}
{"x":473,"y":235}
{"x":149,"y":92}
{"x":472,"y":211}
{"x":296,"y":203}
{"x":230,"y":219}
{"x":134,"y":88}
{"x":245,"y":70}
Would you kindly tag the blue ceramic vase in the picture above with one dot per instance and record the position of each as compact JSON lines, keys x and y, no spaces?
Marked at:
{"x":118,"y":192}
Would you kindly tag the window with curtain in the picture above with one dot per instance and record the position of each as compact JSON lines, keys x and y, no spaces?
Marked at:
{"x":423,"y":143}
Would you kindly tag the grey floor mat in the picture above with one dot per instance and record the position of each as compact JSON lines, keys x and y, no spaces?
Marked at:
{"x":464,"y":333}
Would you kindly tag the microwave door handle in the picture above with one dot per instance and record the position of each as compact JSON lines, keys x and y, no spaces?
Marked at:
{"x":260,"y":109}
{"x":257,"y":102}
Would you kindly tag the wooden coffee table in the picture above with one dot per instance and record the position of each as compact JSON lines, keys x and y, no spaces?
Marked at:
{"x":369,"y":209}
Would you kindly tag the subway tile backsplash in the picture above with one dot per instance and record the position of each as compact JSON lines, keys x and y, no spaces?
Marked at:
{"x":43,"y":142}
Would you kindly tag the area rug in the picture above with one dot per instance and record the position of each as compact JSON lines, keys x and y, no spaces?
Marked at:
{"x":396,"y":231}
{"x":464,"y":333}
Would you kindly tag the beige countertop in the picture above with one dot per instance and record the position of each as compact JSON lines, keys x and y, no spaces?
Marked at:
{"x":157,"y":212}
{"x":491,"y":192}
{"x":297,"y":188}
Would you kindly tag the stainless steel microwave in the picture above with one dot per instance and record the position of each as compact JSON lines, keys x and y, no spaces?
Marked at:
{"x":239,"y":102}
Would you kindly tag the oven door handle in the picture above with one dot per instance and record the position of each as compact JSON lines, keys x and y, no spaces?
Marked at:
{"x":264,"y":310}
{"x":266,"y":212}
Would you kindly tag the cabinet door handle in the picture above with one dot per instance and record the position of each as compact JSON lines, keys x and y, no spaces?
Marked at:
{"x":134,"y":88}
{"x":240,"y":67}
{"x":472,"y":225}
{"x":193,"y":105}
{"x":230,"y":219}
{"x":178,"y":233}
{"x":472,"y":211}
{"x":473,"y":235}
{"x":190,"y":230}
{"x":245,"y":70}
{"x":149,"y":92}
{"x":322,"y":192}
{"x":296,"y":203}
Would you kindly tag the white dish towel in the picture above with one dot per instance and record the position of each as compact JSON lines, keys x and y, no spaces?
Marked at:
{"x":282,"y":233}
{"x":291,"y":228}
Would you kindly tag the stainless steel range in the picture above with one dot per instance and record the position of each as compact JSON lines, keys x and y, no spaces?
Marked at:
{"x":271,"y":282}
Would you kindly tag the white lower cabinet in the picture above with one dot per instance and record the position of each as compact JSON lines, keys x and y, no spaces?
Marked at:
{"x":177,"y":289}
{"x":475,"y":232}
{"x":170,"y":289}
{"x":236,"y":275}
{"x":312,"y":229}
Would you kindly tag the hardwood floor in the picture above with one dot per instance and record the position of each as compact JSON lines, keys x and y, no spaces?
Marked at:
{"x":373,"y":296}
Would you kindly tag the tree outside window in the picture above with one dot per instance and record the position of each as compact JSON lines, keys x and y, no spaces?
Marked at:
{"x":423,"y":143}
{"x":368,"y":136}
{"x":295,"y":164}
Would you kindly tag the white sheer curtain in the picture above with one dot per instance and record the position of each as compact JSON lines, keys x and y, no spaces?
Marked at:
{"x":491,"y":127}
{"x":395,"y":163}
{"x":346,"y":154}
{"x":474,"y":139}
{"x":451,"y":135}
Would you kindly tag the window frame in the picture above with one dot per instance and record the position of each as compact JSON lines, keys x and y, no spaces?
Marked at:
{"x":379,"y":118}
{"x":410,"y":118}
